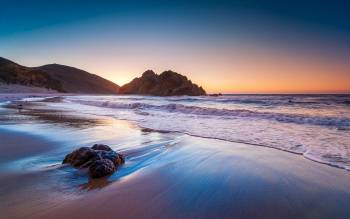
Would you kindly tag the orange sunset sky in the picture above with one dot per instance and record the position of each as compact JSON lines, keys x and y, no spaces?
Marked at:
{"x":225,"y":47}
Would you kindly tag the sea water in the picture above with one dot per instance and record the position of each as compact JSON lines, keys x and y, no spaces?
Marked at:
{"x":316,"y":126}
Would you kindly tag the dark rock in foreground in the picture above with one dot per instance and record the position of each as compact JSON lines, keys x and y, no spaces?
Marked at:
{"x":100,"y":159}
{"x":168,"y":83}
{"x":100,"y":168}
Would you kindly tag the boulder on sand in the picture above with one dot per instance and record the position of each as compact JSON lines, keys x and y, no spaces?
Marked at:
{"x":100,"y":168}
{"x":100,"y":159}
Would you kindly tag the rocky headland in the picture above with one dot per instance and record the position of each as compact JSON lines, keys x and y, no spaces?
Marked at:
{"x":168,"y":83}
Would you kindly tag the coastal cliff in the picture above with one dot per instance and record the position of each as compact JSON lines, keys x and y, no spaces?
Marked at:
{"x":68,"y":79}
{"x":168,"y":83}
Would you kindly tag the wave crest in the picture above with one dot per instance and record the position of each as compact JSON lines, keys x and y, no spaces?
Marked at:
{"x":340,"y":122}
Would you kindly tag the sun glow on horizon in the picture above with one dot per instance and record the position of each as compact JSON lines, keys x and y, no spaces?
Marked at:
{"x":244,"y":71}
{"x":229,"y":50}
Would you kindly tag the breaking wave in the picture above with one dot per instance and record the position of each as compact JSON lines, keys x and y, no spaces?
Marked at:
{"x":318,"y":127}
{"x":224,"y":113}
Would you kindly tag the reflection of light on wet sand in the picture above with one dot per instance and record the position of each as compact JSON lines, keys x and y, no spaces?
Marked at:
{"x":195,"y":178}
{"x":111,"y":129}
{"x":169,"y":175}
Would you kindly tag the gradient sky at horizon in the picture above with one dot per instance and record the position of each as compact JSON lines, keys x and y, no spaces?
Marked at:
{"x":246,"y":46}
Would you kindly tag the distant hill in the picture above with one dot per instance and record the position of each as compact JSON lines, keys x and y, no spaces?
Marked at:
{"x":63,"y":78}
{"x":74,"y":80}
{"x":12,"y":73}
{"x":168,"y":83}
{"x":56,"y":77}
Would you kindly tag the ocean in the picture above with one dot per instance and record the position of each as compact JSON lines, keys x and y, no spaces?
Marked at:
{"x":315,"y":126}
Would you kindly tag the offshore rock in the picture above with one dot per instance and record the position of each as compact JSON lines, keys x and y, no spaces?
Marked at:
{"x":168,"y":83}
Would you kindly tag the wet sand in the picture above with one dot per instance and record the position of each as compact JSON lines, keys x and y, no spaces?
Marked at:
{"x":166,"y":175}
{"x":15,"y":145}
{"x":206,"y":179}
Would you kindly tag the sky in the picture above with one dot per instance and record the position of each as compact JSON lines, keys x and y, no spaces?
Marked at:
{"x":250,"y":46}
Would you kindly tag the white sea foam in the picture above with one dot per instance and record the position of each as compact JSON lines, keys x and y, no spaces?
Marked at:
{"x":316,"y":126}
{"x":224,"y":113}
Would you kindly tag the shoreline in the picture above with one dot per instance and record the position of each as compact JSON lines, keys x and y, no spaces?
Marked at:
{"x":166,"y":174}
{"x":207,"y":173}
{"x":265,"y":146}
{"x":20,"y":96}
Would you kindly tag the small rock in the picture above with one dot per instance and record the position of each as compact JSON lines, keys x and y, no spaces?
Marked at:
{"x":101,"y":168}
{"x":97,"y":158}
{"x":215,"y":95}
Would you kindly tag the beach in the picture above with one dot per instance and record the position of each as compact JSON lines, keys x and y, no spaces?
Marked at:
{"x":174,"y":109}
{"x":167,"y":173}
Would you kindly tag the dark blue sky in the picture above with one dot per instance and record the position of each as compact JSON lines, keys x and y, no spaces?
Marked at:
{"x":24,"y":15}
{"x":171,"y":34}
{"x":283,"y":23}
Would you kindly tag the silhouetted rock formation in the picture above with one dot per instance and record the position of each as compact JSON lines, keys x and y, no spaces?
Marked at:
{"x":56,"y":77}
{"x":72,"y":80}
{"x":168,"y":83}
{"x":215,"y":95}
{"x":100,"y":159}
